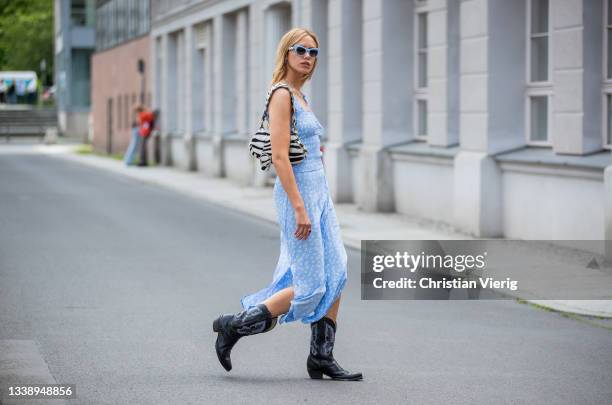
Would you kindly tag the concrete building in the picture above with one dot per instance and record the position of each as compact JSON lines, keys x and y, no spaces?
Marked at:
{"x":122,"y":43}
{"x":492,"y":116}
{"x":74,"y":43}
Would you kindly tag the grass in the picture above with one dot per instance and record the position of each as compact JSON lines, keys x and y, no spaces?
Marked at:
{"x":87,"y":149}
{"x":590,"y":319}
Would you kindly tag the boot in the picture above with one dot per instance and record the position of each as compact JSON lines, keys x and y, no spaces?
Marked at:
{"x":321,"y":359}
{"x":230,"y":328}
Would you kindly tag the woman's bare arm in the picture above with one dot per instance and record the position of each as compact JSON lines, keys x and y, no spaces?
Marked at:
{"x":279,"y":111}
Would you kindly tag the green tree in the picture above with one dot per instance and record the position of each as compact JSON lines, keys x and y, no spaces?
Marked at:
{"x":26,"y":35}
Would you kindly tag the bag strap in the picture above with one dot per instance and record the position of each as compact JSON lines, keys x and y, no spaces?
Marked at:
{"x":265,"y":113}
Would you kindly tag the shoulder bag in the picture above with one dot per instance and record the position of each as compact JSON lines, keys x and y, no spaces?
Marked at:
{"x":260,"y":146}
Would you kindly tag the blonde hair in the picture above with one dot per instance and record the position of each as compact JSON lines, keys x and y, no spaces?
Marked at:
{"x":290,"y":38}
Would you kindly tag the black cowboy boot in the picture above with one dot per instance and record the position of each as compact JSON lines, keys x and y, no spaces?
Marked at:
{"x":321,"y":359}
{"x":230,"y":328}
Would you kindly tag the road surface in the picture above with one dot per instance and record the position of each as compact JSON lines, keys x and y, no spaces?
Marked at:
{"x":117,"y":282}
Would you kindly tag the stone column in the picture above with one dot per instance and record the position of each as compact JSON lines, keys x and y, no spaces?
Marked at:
{"x":345,"y":87}
{"x":153,"y":71}
{"x":386,"y":111}
{"x":209,"y":80}
{"x":608,"y":212}
{"x":492,"y":83}
{"x":276,"y":22}
{"x":155,"y":78}
{"x":218,"y":98}
{"x":242,"y":79}
{"x":180,"y":82}
{"x":317,"y":17}
{"x":188,"y":136}
{"x":577,"y":71}
{"x":165,"y":102}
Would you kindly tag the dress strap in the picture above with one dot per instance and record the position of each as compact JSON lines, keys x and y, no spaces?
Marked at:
{"x":296,"y":104}
{"x":299,"y":106}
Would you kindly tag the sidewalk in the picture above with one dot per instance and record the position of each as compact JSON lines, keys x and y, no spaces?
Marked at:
{"x":356,"y":225}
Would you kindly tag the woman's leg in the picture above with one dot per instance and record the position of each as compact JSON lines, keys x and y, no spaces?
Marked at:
{"x":129,"y":153}
{"x":133,"y":147}
{"x":279,"y":302}
{"x":321,"y":359}
{"x":257,"y":319}
{"x":333,"y":310}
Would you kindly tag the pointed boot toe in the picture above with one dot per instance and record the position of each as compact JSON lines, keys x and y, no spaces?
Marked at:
{"x":230,"y":328}
{"x":226,"y":339}
{"x":321,"y":360}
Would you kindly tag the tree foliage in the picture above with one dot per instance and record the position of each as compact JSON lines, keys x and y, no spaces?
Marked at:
{"x":26,"y":35}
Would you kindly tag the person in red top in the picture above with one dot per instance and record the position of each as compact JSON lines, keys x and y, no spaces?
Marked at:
{"x":146,"y":120}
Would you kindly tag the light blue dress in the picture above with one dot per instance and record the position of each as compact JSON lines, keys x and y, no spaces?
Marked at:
{"x":315,"y":266}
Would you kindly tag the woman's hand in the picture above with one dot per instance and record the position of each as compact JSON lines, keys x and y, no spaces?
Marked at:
{"x":302,"y":223}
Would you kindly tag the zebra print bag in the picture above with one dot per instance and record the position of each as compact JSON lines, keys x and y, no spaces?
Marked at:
{"x":260,"y":146}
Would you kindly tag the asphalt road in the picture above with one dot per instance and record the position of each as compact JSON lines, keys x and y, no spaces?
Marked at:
{"x":117,"y":282}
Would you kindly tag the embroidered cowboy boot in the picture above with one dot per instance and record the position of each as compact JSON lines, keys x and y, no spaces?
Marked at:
{"x":230,"y":328}
{"x":321,"y":359}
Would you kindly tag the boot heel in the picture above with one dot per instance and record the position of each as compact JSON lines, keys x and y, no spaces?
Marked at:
{"x":315,"y":374}
{"x":216,"y":326}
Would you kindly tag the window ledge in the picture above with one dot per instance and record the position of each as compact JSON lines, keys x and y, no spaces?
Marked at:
{"x":424,"y":149}
{"x":354,"y":145}
{"x":413,"y":148}
{"x":545,"y":156}
{"x":203,"y":134}
{"x":235,"y":136}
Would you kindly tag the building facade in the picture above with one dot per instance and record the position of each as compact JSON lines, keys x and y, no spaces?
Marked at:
{"x":119,"y":71}
{"x":492,"y":116}
{"x":74,"y":22}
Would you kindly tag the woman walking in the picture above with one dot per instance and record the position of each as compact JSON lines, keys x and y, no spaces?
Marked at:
{"x":312,"y":268}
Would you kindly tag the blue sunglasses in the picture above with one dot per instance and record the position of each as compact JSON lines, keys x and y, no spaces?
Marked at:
{"x":301,"y":50}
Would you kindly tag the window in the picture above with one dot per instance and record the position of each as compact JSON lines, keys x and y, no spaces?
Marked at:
{"x":82,"y":13}
{"x":77,"y":12}
{"x":120,"y":20}
{"x":146,"y":16}
{"x":132,"y":17}
{"x":538,"y":41}
{"x":101,"y":27}
{"x":420,"y":77}
{"x":80,"y":80}
{"x":539,"y":83}
{"x":422,"y":50}
{"x":422,"y":117}
{"x":112,"y":24}
{"x":539,"y":118}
